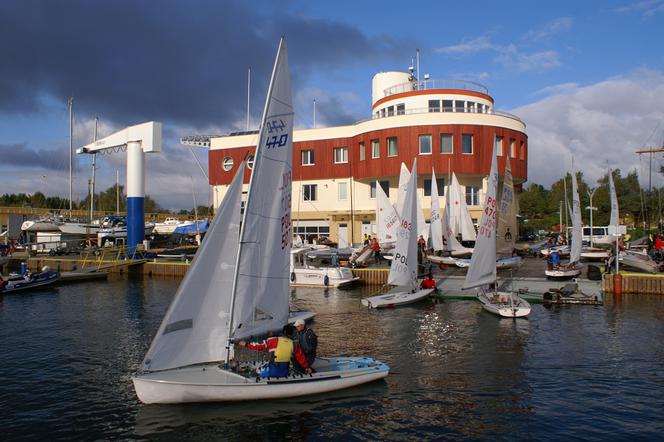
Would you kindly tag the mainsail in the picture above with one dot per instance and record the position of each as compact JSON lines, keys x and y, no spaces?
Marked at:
{"x":449,"y":239}
{"x":195,"y":328}
{"x":261,"y":285}
{"x":577,"y":227}
{"x":506,"y":230}
{"x":460,"y":219}
{"x":403,"y":271}
{"x":404,"y":179}
{"x":435,"y":222}
{"x":614,"y":203}
{"x":482,"y":268}
{"x":387,"y":220}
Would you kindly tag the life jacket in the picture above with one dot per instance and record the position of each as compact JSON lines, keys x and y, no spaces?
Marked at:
{"x":284,"y":350}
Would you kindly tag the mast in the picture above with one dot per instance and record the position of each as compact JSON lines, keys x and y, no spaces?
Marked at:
{"x":70,"y":105}
{"x":117,"y":192}
{"x":94,"y":174}
{"x":255,"y":171}
{"x":566,"y":209}
{"x":248,"y":93}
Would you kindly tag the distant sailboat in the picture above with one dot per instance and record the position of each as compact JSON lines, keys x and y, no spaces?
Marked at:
{"x":237,"y":287}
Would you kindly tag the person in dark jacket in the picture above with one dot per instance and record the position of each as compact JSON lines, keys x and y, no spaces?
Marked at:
{"x":307,"y":341}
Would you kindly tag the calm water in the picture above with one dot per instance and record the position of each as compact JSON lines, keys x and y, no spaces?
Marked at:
{"x":457,"y":372}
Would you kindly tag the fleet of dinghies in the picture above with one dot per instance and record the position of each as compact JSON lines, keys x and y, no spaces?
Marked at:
{"x":237,"y":287}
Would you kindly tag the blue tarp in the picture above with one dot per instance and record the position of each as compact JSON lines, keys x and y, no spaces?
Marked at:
{"x":192,"y":229}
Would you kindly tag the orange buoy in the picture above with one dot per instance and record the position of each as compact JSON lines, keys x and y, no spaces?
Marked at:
{"x":617,"y":284}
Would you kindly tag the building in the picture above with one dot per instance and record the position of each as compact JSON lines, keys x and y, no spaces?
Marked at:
{"x":446,"y":125}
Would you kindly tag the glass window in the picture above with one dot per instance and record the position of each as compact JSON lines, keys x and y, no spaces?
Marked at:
{"x":459,"y":105}
{"x":522,"y":150}
{"x":343,"y":190}
{"x":363,"y":154}
{"x":250,"y":161}
{"x":401,"y":109}
{"x":466,"y":143}
{"x":227,"y":163}
{"x":390,"y":111}
{"x":499,"y":146}
{"x":425,"y":144}
{"x":375,"y":149}
{"x":307,"y":157}
{"x":340,"y":154}
{"x":392,"y":149}
{"x":471,"y":106}
{"x":434,"y":105}
{"x":441,"y":186}
{"x":309,"y":192}
{"x":382,"y":113}
{"x":372,"y":188}
{"x":472,"y":195}
{"x":446,"y":143}
{"x":512,"y":148}
{"x":480,"y":108}
{"x":448,"y":105}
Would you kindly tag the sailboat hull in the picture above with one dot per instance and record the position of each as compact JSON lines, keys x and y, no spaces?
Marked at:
{"x":211,"y":383}
{"x":499,"y":304}
{"x":396,"y":298}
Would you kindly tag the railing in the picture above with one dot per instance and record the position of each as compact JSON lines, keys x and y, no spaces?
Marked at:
{"x":423,"y":85}
{"x":443,"y":110}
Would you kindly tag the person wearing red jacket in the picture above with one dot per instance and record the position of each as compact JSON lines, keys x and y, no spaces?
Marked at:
{"x":281,"y":349}
{"x":428,"y":282}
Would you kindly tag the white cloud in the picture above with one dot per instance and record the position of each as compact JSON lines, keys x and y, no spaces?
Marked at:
{"x":647,"y":8}
{"x":467,"y":46}
{"x":598,"y":125}
{"x":550,"y":29}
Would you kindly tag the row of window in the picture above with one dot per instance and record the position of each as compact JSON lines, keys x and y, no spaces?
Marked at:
{"x":435,"y":106}
{"x":425,"y":148}
{"x":310,"y":191}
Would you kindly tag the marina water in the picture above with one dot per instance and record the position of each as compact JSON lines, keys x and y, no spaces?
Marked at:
{"x":586,"y":372}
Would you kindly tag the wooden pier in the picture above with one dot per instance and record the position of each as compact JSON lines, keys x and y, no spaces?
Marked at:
{"x":636,"y":283}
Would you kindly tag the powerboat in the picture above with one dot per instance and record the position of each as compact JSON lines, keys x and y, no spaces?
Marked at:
{"x":16,"y":283}
{"x":318,"y":268}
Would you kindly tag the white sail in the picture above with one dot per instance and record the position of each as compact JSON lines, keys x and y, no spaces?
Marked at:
{"x":506,"y":230}
{"x":449,"y":239}
{"x":387,"y":219}
{"x":577,"y":227}
{"x":435,"y":221}
{"x":460,"y":219}
{"x":261,"y":295}
{"x":614,"y":202}
{"x":404,"y":177}
{"x":195,"y":328}
{"x":482,"y":268}
{"x":403,"y":271}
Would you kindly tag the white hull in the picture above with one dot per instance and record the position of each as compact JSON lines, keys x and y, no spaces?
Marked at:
{"x":120,"y":232}
{"x":447,"y":260}
{"x":594,"y":253}
{"x":645,"y":264}
{"x":562,"y":250}
{"x":462,"y":253}
{"x":501,"y":263}
{"x":500,"y":304}
{"x":211,"y":383}
{"x":336,"y":277}
{"x":40,"y":226}
{"x":79,"y":229}
{"x":396,"y":298}
{"x":169,"y":227}
{"x":562,"y":273}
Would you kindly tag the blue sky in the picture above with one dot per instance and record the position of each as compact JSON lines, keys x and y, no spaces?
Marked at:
{"x":586,"y":77}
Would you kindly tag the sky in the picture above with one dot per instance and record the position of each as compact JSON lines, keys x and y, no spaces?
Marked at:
{"x":587,"y":77}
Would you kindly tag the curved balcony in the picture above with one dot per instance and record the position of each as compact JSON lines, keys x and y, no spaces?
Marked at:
{"x":473,"y":110}
{"x":423,"y":85}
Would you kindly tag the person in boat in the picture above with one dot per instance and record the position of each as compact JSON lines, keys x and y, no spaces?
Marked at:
{"x":365,"y":240}
{"x":376,"y":248}
{"x":308,"y":343}
{"x":428,"y":283}
{"x":554,"y":260}
{"x":421,"y":249}
{"x":282,"y":349}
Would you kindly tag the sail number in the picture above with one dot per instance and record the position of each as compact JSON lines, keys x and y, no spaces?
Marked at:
{"x":400,"y":263}
{"x":276,"y":140}
{"x":286,"y":179}
{"x":489,"y":221}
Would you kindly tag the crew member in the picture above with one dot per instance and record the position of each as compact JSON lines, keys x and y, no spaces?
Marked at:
{"x":307,"y":341}
{"x":281,"y":349}
{"x":428,"y":282}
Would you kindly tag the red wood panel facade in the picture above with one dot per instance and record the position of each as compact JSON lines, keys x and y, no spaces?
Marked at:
{"x":477,"y":163}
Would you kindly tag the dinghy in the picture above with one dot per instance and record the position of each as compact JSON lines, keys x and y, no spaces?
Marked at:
{"x":482,"y":271}
{"x":403,"y":269}
{"x":573,"y":269}
{"x":19,"y":283}
{"x":237,"y":287}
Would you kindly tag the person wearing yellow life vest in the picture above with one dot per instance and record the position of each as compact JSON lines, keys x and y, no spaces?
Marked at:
{"x":281,"y":349}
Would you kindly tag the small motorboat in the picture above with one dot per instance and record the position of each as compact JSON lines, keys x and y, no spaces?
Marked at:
{"x":29,"y":280}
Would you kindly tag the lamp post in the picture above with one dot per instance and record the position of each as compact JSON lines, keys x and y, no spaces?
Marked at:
{"x":591,"y":192}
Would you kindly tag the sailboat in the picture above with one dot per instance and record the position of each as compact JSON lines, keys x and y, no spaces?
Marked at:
{"x":442,"y":237}
{"x":404,"y":180}
{"x":573,"y":268}
{"x":482,"y":270}
{"x":403,"y":270}
{"x":237,"y":287}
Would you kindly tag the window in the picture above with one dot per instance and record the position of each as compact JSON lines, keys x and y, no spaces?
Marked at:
{"x":307,"y":157}
{"x":401,"y":109}
{"x":512,"y":148}
{"x":340,"y":154}
{"x":343,"y":190}
{"x":309,"y":192}
{"x":448,"y":105}
{"x":372,"y":188}
{"x":390,"y":111}
{"x":227,"y":163}
{"x":459,"y":106}
{"x":440,"y":182}
{"x":363,"y":154}
{"x":472,"y":195}
{"x":425,"y":144}
{"x":434,"y":105}
{"x":392,"y":149}
{"x":471,"y":106}
{"x":467,"y":144}
{"x":480,"y":108}
{"x":499,"y":146}
{"x":382,"y":113}
{"x":446,"y":143}
{"x":250,"y":161}
{"x":375,"y":149}
{"x":523,"y":151}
